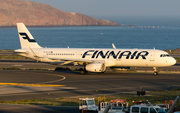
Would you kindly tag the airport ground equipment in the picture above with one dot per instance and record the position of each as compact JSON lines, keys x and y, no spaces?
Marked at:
{"x":173,"y":105}
{"x":120,"y":104}
{"x":146,"y":109}
{"x":113,"y":107}
{"x":170,"y":105}
{"x":107,"y":108}
{"x":87,"y":105}
{"x":139,"y":93}
{"x":164,"y":106}
{"x":141,"y":102}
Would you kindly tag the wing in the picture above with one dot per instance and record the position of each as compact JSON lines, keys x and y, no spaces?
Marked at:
{"x":69,"y":60}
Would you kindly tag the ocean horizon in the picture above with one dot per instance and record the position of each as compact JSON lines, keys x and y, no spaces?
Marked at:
{"x":146,"y":34}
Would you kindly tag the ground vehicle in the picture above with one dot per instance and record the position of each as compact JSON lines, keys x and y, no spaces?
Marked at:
{"x":164,"y":106}
{"x":141,"y":102}
{"x":146,"y":109}
{"x":167,"y":105}
{"x":87,"y":104}
{"x":169,"y":102}
{"x":114,"y":107}
{"x":119,"y":104}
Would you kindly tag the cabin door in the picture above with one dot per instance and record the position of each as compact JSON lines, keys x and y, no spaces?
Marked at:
{"x":152,"y":55}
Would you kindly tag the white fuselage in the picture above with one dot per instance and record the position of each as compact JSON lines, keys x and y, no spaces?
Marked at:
{"x":110,"y":57}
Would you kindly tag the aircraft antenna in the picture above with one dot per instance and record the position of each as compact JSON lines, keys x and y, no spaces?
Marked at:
{"x":113,"y":46}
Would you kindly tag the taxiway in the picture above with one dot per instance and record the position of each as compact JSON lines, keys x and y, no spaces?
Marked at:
{"x":52,"y":84}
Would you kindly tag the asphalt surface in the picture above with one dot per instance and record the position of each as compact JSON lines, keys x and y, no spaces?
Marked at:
{"x":75,"y":84}
{"x":33,"y":84}
{"x":15,"y":108}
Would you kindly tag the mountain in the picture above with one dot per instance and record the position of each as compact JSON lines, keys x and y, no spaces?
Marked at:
{"x":38,"y":14}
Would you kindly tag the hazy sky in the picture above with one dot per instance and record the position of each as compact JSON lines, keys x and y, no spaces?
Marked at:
{"x":98,"y":8}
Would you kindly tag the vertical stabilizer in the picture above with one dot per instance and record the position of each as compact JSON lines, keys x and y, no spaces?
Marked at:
{"x":25,"y":37}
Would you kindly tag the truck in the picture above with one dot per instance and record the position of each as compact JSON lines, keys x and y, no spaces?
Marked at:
{"x":119,"y":104}
{"x":87,"y":105}
{"x":146,"y":109}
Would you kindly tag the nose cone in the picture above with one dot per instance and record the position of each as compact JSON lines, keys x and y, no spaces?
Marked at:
{"x":173,"y":61}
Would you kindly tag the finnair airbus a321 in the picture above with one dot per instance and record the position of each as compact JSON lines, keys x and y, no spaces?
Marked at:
{"x":92,"y":60}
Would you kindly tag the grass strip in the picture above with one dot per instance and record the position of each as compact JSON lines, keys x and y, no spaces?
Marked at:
{"x":155,"y":97}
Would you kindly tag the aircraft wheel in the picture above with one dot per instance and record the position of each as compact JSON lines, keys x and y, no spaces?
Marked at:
{"x":155,"y":73}
{"x":82,"y":71}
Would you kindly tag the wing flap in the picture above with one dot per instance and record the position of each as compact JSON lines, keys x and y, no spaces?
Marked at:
{"x":75,"y":60}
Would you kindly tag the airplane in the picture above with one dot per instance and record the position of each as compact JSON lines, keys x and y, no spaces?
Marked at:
{"x":92,"y":60}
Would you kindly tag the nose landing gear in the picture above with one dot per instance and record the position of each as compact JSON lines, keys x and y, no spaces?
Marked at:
{"x":155,"y":71}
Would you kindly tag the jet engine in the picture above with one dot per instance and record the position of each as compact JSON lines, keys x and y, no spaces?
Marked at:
{"x":96,"y":67}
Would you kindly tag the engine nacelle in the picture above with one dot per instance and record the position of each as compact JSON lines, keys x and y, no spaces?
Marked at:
{"x":96,"y":67}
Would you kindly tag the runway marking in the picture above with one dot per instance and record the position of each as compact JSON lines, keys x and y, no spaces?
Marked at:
{"x":24,"y":84}
{"x":63,"y":78}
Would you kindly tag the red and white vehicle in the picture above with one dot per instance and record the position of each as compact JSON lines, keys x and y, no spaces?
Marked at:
{"x":119,"y":104}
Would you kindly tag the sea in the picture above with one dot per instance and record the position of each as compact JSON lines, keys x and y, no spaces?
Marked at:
{"x":147,"y":33}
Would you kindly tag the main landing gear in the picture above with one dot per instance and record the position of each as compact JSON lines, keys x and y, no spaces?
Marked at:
{"x":155,"y":71}
{"x":83,"y":70}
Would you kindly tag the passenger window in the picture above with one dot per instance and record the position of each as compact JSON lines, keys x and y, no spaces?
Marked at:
{"x":152,"y":110}
{"x":144,"y":110}
{"x":135,"y":109}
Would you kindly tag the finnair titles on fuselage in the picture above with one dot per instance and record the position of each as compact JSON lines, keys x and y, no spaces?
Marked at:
{"x":93,"y":60}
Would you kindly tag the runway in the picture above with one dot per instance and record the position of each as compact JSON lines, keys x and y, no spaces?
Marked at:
{"x":27,"y":84}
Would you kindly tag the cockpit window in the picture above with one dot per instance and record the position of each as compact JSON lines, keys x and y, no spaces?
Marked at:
{"x":164,"y":55}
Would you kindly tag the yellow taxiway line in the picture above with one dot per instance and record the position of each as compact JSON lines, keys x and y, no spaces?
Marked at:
{"x":24,"y":84}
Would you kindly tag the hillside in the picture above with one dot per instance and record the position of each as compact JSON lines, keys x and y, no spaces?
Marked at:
{"x":38,"y":14}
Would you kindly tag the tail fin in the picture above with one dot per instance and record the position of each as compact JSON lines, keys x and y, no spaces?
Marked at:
{"x":25,"y":37}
